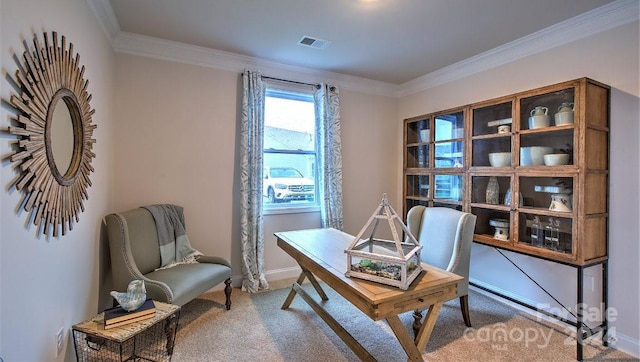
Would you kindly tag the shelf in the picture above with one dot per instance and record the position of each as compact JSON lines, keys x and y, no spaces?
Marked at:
{"x":528,"y":250}
{"x":546,"y":212}
{"x":568,"y":127}
{"x":493,"y":135}
{"x":492,"y":207}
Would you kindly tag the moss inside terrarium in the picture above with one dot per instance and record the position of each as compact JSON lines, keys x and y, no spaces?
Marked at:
{"x":380,"y":269}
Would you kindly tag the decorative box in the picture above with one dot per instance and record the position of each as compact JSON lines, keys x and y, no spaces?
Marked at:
{"x":388,"y":261}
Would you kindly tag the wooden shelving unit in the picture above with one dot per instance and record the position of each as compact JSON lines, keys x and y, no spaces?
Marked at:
{"x":576,"y":235}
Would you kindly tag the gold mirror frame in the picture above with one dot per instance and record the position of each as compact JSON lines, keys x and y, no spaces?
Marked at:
{"x":51,"y":76}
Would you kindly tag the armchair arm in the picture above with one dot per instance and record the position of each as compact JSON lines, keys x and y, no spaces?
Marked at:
{"x":213,"y":260}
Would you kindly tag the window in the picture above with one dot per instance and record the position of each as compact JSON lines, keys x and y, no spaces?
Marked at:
{"x":289,"y":174}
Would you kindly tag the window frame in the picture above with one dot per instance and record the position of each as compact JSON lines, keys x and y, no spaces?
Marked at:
{"x":297,"y":93}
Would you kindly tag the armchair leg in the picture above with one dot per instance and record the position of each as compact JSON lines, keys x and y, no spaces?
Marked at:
{"x":227,"y":293}
{"x":464,"y":306}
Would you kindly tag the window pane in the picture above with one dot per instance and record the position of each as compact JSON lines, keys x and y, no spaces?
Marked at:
{"x":289,"y":150}
{"x":450,"y":126}
{"x":289,"y":123}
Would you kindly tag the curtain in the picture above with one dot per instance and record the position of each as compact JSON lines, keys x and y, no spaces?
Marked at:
{"x":251,"y":218}
{"x":328,"y":146}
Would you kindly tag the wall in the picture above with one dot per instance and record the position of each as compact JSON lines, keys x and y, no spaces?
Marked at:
{"x":48,"y":283}
{"x":610,"y":57}
{"x":177,"y":129}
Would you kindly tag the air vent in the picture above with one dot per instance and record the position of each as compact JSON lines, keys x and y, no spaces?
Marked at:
{"x":314,"y":42}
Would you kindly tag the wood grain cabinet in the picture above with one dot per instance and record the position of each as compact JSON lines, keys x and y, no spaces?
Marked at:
{"x":554,"y":207}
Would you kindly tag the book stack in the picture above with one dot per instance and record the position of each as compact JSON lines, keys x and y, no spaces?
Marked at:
{"x":117,"y":316}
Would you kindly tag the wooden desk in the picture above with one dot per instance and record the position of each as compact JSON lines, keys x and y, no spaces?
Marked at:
{"x":320,"y":253}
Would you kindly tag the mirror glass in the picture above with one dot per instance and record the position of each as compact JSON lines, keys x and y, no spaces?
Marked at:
{"x":62,"y":136}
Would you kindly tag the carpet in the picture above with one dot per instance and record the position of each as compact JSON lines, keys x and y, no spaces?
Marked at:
{"x":256,"y":329}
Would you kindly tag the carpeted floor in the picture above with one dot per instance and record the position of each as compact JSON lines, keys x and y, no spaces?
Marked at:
{"x":256,"y":329}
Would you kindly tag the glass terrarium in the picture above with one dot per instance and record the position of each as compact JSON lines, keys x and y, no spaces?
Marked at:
{"x":382,"y":256}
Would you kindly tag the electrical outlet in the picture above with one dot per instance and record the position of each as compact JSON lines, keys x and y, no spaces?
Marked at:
{"x":59,"y":341}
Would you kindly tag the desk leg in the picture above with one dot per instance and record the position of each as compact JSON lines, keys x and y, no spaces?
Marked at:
{"x":427,"y":326}
{"x":347,"y":338}
{"x":315,"y":284}
{"x":292,"y":293}
{"x":405,"y":339}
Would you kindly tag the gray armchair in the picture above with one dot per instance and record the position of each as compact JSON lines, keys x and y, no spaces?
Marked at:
{"x":446,"y":235}
{"x":135,"y":254}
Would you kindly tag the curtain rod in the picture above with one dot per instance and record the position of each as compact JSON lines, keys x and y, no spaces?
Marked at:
{"x":316,"y":85}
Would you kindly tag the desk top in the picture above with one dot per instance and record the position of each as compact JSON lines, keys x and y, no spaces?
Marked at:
{"x":322,"y":252}
{"x":95,"y":325}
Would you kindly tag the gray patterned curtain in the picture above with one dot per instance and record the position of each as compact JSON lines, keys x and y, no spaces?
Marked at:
{"x":329,"y":148}
{"x":251,"y":218}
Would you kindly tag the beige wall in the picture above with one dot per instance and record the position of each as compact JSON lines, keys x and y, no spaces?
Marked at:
{"x":48,"y":283}
{"x":177,"y":136}
{"x":610,"y":57}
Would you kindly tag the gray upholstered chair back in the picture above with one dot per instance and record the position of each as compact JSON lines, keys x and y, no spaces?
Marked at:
{"x":138,"y":228}
{"x":446,"y":236}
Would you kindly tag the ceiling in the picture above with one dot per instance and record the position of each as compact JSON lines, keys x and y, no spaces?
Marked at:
{"x":392,"y":41}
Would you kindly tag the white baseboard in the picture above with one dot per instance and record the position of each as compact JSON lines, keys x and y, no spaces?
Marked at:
{"x":270,"y":275}
{"x":286,"y":273}
{"x":622,"y":342}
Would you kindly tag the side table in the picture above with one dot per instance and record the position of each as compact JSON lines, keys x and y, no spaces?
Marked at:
{"x":151,"y":339}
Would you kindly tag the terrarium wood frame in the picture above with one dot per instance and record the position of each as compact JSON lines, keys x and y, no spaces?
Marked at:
{"x":399,"y":265}
{"x":48,"y":74}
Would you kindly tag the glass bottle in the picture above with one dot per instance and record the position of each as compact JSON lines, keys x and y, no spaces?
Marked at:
{"x":547,"y":234}
{"x":537,"y":233}
{"x":551,"y":237}
{"x":556,"y":234}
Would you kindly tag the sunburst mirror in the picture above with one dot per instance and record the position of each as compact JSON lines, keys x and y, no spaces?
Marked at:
{"x":54,"y":130}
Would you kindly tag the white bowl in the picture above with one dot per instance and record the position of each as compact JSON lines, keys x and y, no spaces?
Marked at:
{"x":500,"y":159}
{"x":533,"y":156}
{"x":554,"y":159}
{"x":539,"y":121}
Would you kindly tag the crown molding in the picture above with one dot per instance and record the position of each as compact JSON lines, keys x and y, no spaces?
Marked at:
{"x":595,"y":21}
{"x":141,"y":45}
{"x":103,"y":11}
{"x":606,"y":17}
